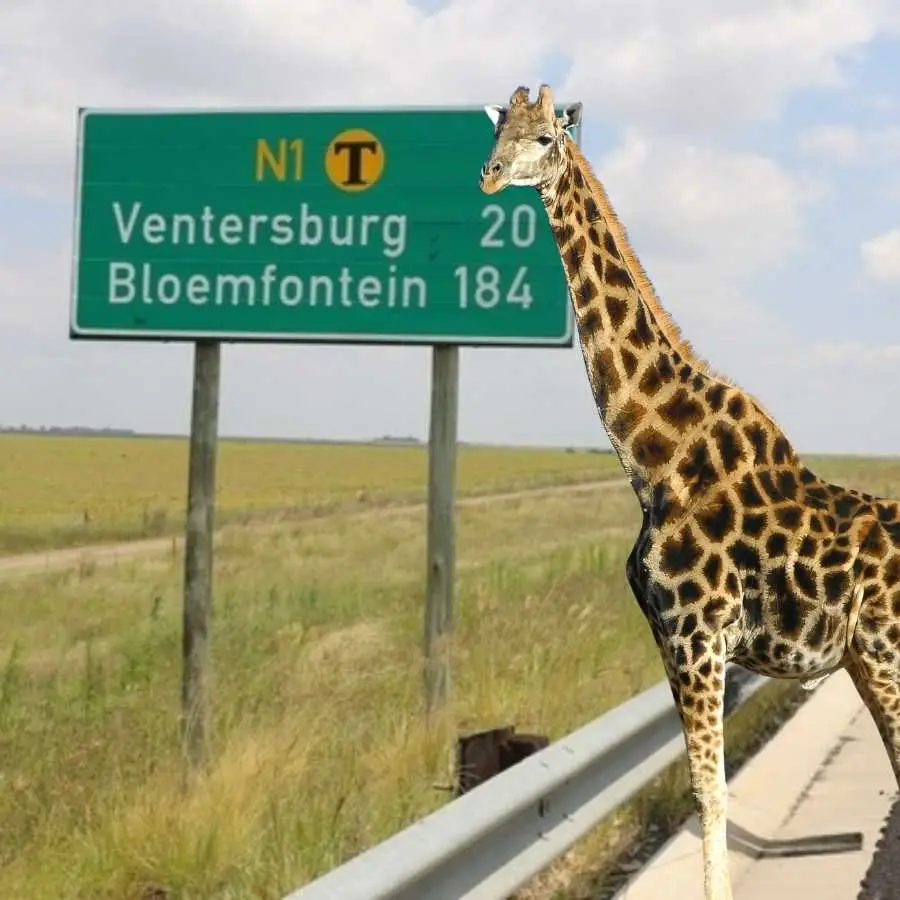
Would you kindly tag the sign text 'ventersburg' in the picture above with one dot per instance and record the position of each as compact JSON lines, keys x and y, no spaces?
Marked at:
{"x":353,"y":226}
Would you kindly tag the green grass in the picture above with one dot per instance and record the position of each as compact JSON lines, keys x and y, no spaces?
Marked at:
{"x":58,"y":491}
{"x":319,"y":748}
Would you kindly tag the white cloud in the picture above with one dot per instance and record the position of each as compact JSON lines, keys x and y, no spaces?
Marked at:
{"x":849,"y":145}
{"x":668,"y":79}
{"x":881,"y":257}
{"x":736,"y":212}
{"x":668,"y":68}
{"x":706,"y":65}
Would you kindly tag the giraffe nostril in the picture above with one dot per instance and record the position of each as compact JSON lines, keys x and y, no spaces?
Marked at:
{"x":495,"y":168}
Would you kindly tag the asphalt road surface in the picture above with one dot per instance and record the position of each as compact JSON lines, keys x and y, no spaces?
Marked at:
{"x":882,"y":880}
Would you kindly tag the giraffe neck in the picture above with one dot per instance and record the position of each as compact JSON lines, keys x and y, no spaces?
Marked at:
{"x":649,"y":389}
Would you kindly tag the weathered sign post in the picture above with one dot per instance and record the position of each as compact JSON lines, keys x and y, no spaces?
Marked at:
{"x":322,"y":226}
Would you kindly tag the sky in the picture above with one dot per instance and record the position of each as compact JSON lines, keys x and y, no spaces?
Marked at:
{"x":752,"y":149}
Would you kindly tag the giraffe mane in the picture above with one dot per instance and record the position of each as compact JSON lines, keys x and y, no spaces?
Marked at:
{"x":642,"y":281}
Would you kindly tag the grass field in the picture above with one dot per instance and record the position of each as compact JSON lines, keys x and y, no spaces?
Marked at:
{"x":318,"y":745}
{"x":64,"y":491}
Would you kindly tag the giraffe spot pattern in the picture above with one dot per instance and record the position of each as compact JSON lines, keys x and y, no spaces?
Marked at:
{"x":627,"y":419}
{"x":795,"y":586}
{"x":680,"y":554}
{"x":610,"y":245}
{"x":682,"y":411}
{"x":629,"y":362}
{"x":651,"y":448}
{"x":616,"y":309}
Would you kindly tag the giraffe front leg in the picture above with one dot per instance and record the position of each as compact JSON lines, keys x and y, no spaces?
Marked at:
{"x":698,"y":688}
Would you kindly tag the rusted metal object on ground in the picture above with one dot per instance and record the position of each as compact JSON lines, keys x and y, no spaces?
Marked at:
{"x":483,"y":754}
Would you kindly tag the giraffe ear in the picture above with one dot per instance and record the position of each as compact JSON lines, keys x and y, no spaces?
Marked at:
{"x":494,"y":112}
{"x":571,"y":116}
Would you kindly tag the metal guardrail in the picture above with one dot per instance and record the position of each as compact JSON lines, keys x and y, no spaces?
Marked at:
{"x":490,"y":841}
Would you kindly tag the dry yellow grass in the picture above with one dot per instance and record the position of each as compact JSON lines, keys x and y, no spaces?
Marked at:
{"x":58,"y":491}
{"x":319,"y":749}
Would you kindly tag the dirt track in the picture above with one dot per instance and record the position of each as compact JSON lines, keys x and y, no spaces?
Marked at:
{"x":104,"y":553}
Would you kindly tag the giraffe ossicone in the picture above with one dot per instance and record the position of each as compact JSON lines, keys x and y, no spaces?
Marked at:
{"x":744,"y":554}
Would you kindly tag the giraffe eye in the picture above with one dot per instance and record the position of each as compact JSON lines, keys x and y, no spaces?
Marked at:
{"x":545,"y":139}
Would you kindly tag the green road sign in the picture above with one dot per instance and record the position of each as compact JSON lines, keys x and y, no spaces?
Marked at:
{"x":354,"y":226}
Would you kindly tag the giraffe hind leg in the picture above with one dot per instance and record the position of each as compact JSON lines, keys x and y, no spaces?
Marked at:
{"x":880,"y":691}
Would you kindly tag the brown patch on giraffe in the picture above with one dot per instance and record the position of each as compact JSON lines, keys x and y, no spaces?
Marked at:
{"x":574,"y":256}
{"x":730,"y":445}
{"x":627,"y":419}
{"x":651,"y":381}
{"x":805,"y":578}
{"x":629,"y":362}
{"x":696,"y":469}
{"x":776,"y":544}
{"x":587,"y":293}
{"x":834,"y":557}
{"x":610,"y":244}
{"x":652,"y":449}
{"x":689,"y":592}
{"x":874,"y":546}
{"x":616,"y":309}
{"x":715,"y":396}
{"x":681,"y":411}
{"x":748,"y":492}
{"x":604,"y":376}
{"x":618,"y":277}
{"x":589,"y":320}
{"x":680,"y":554}
{"x":789,"y":516}
{"x":591,"y":210}
{"x":887,"y":512}
{"x":597,"y":262}
{"x":787,"y":484}
{"x":745,"y":556}
{"x":713,"y":612}
{"x":642,"y":334}
{"x":836,"y":585}
{"x":563,"y":234}
{"x":781,"y":450}
{"x":712,"y":570}
{"x":758,"y":439}
{"x":716,"y":520}
{"x":754,"y":524}
{"x":737,"y":408}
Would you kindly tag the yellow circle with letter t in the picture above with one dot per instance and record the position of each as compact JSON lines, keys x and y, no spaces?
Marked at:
{"x":354,"y":160}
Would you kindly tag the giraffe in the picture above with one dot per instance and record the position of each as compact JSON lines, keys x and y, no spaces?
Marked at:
{"x":743,"y":553}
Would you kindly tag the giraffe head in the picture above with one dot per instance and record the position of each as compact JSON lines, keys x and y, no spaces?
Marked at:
{"x":529,"y":140}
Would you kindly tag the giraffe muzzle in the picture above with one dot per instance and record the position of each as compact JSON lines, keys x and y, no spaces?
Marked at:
{"x":490,"y":180}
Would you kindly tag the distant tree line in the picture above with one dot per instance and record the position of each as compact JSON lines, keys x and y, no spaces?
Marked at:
{"x":66,"y":430}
